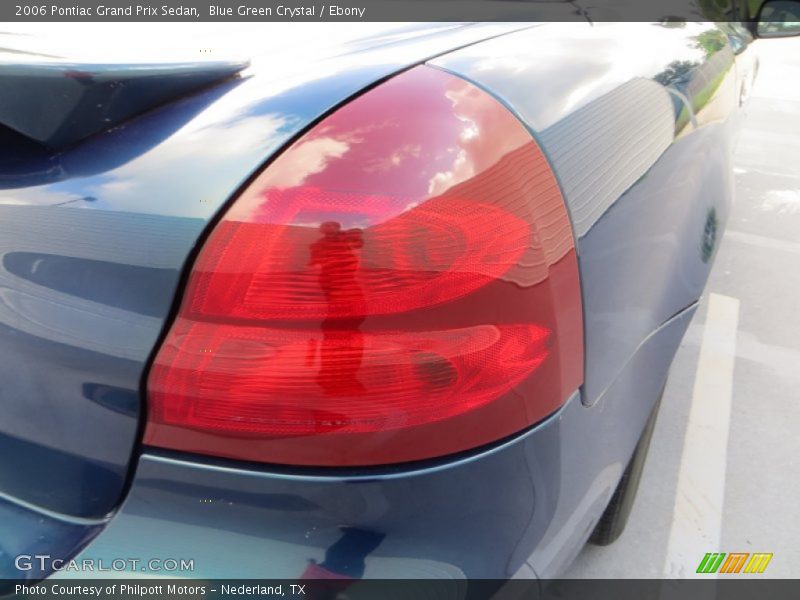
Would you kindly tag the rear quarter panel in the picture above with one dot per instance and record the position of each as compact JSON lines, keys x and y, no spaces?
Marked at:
{"x":636,"y":119}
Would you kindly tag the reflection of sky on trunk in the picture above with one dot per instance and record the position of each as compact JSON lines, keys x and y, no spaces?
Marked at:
{"x":229,"y":139}
{"x":601,"y":57}
{"x":170,"y":42}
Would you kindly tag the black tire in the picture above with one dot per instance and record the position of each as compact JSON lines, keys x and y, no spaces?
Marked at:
{"x":615,"y":517}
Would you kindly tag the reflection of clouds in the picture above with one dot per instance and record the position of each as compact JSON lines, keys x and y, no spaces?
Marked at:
{"x":395,"y":159}
{"x":153,"y":174}
{"x":313,"y":153}
{"x":476,"y":152}
{"x":36,"y":197}
{"x":311,"y":156}
{"x":116,"y":187}
{"x":226,"y":139}
{"x":462,"y":169}
{"x":513,"y":65}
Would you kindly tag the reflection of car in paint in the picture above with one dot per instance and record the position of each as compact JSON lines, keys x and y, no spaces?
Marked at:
{"x":406,"y":302}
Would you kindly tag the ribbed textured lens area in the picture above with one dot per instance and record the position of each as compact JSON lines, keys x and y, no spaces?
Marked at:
{"x":260,"y":377}
{"x":399,"y":284}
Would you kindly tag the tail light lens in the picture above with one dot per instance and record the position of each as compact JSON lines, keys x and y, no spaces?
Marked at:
{"x":399,"y":284}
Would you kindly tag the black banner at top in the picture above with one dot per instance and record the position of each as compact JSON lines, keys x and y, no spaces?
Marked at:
{"x":150,"y":11}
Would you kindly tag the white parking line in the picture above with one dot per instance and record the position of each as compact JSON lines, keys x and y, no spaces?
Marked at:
{"x":697,"y":514}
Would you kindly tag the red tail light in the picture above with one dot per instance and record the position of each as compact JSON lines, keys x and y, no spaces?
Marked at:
{"x":401,"y":283}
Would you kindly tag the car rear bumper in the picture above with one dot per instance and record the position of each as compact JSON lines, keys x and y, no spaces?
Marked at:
{"x":523,"y":508}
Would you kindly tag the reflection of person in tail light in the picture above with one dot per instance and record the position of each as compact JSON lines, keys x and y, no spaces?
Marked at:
{"x":337,"y":255}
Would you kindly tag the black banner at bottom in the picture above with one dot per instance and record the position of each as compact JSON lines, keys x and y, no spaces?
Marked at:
{"x":416,"y":589}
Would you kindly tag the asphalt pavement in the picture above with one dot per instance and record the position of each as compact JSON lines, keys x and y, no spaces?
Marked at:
{"x":723,"y":472}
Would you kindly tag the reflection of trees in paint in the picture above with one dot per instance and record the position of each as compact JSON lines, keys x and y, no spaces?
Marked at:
{"x":711,"y":41}
{"x":677,"y":75}
{"x":677,"y":70}
{"x":698,"y":80}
